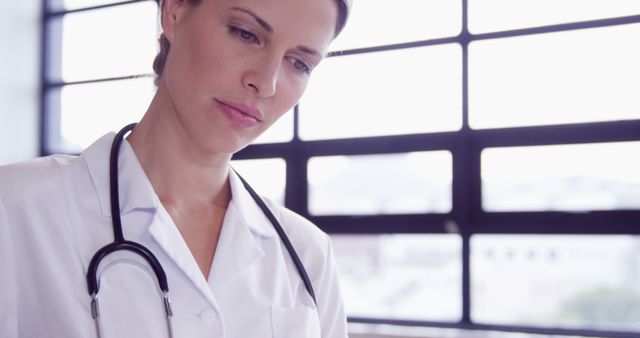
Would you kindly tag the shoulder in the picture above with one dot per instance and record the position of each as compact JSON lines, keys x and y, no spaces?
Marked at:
{"x":33,"y":176}
{"x":314,"y":248}
{"x":312,"y":245}
{"x":47,"y":173}
{"x":301,"y":231}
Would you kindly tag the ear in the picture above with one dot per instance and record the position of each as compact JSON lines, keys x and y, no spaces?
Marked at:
{"x":172,"y":11}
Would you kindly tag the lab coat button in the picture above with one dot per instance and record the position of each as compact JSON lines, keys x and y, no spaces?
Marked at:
{"x":207,"y":316}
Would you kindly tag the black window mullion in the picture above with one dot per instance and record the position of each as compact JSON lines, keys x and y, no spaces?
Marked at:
{"x":464,"y":171}
{"x":466,"y":217}
{"x":597,"y":132}
{"x":560,"y":27}
{"x":297,"y":176}
{"x":384,"y":224}
{"x":54,"y":13}
{"x":617,"y":222}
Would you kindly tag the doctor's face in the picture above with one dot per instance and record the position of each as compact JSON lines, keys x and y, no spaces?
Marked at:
{"x":236,"y":66}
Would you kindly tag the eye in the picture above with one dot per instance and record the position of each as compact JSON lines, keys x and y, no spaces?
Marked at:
{"x":301,"y":65}
{"x":244,"y":34}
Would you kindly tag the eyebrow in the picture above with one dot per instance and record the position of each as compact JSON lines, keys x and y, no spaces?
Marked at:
{"x":308,"y":50}
{"x":263,"y":23}
{"x":258,"y":19}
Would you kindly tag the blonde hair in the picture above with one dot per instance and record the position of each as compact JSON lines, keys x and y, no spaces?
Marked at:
{"x":344,"y":7}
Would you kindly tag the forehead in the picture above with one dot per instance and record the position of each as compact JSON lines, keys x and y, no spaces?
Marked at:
{"x":310,"y":22}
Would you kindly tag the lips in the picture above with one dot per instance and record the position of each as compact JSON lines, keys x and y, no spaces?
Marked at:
{"x":240,"y":114}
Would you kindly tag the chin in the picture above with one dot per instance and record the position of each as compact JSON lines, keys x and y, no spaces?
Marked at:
{"x":232,"y":145}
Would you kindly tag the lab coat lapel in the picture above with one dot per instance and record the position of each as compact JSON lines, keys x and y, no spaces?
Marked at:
{"x":137,"y":196}
{"x":244,"y":231}
{"x":136,"y":191}
{"x":245,"y":227}
{"x":237,"y":249}
{"x":167,"y":236}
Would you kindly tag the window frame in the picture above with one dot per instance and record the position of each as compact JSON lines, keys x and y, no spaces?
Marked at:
{"x":465,"y":146}
{"x":51,"y":62}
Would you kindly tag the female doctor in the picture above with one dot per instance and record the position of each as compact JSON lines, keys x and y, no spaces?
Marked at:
{"x":227,"y":70}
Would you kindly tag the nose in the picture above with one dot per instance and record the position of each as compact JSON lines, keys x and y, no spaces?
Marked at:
{"x":262,"y":77}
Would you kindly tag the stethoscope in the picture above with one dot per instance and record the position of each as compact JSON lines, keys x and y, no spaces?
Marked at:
{"x":120,"y":243}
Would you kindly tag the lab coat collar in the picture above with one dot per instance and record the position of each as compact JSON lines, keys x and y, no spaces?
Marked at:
{"x":244,"y":229}
{"x":239,"y":245}
{"x":239,"y":249}
{"x":136,"y":191}
{"x":249,"y":211}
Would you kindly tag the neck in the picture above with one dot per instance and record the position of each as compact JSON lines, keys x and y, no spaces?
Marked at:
{"x":180,"y":172}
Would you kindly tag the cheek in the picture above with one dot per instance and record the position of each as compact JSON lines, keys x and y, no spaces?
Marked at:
{"x":283,"y":104}
{"x":187,"y":61}
{"x":293,"y":90}
{"x":205,"y":58}
{"x":287,"y":95}
{"x":204,"y":62}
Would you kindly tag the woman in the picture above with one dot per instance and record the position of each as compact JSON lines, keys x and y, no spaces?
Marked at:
{"x":227,"y":70}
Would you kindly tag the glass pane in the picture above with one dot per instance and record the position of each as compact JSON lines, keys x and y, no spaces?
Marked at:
{"x":56,"y":5}
{"x":590,"y":282}
{"x":603,"y":176}
{"x":499,"y":15}
{"x":89,"y":111}
{"x":104,"y":43}
{"x":571,"y":77}
{"x":383,"y":22}
{"x":405,"y":91}
{"x":268,"y":177}
{"x":400,"y":276}
{"x":380,"y":184}
{"x":281,"y":131}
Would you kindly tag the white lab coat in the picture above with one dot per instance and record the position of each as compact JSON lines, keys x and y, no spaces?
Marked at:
{"x":55,"y":214}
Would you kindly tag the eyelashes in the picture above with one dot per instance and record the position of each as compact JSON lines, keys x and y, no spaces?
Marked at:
{"x":301,"y":65}
{"x":244,"y":34}
{"x":250,"y":37}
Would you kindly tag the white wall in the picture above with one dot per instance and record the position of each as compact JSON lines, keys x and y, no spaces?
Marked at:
{"x":19,"y":79}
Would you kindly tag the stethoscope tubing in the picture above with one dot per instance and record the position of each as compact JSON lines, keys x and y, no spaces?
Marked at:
{"x":285,"y":239}
{"x":120,"y":243}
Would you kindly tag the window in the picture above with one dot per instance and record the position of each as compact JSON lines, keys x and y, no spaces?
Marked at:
{"x":465,"y":156}
{"x":97,"y":69}
{"x":573,"y":281}
{"x":407,"y":183}
{"x":401,"y":276}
